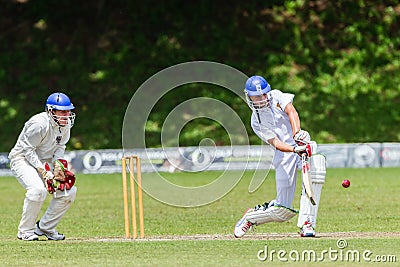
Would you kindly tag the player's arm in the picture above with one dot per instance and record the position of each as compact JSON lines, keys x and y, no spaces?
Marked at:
{"x":300,"y":136}
{"x":30,"y":139}
{"x":293,"y":118}
{"x":279,"y":145}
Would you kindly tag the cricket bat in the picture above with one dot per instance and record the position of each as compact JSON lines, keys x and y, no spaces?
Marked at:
{"x":305,"y":171}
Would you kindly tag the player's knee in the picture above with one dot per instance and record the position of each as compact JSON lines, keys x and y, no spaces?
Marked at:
{"x":68,"y":196}
{"x":36,"y":194}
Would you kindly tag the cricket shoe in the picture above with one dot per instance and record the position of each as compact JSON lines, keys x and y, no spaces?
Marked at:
{"x":243,"y":225}
{"x":54,"y":235}
{"x":307,"y":230}
{"x":27,"y":236}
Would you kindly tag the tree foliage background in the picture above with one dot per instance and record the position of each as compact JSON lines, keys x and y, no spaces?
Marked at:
{"x":341,"y":59}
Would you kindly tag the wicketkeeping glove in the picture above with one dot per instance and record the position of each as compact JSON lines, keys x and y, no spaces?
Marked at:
{"x":65,"y":177}
{"x":60,"y":166}
{"x":48,"y":177}
{"x":68,"y":182}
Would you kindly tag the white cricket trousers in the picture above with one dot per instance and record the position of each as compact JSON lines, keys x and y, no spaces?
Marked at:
{"x":35,"y":196}
{"x":286,"y":165}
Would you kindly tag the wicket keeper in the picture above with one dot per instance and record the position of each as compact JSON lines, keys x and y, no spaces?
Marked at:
{"x":37,"y":161}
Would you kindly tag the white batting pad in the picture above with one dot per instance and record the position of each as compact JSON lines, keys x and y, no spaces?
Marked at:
{"x":271,"y":214}
{"x":308,"y":212}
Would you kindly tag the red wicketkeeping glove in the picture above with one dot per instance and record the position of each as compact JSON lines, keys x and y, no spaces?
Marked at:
{"x":69,"y":179}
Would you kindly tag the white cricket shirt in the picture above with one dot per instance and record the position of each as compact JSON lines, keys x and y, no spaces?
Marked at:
{"x":41,"y":140}
{"x":273,"y":121}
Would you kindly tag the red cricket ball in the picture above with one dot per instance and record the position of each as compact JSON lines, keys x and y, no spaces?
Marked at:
{"x":346,"y":183}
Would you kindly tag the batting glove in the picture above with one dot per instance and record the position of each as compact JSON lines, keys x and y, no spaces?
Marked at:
{"x":306,"y":149}
{"x":302,"y":138}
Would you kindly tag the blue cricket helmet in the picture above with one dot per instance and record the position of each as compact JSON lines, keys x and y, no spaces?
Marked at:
{"x":256,"y":85}
{"x":58,"y":101}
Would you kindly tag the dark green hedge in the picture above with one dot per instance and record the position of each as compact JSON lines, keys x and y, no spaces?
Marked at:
{"x":341,"y":59}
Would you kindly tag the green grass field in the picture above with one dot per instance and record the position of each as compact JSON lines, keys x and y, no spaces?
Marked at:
{"x":366,"y":215}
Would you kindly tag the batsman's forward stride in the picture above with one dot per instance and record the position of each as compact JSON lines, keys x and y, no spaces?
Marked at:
{"x":276,"y":122}
{"x":42,"y":141}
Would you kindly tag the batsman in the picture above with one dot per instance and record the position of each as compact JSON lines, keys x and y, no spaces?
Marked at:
{"x":276,"y":121}
{"x":37,"y":161}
